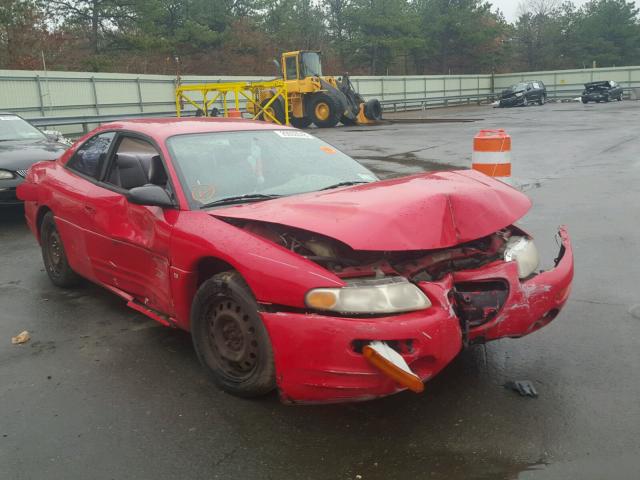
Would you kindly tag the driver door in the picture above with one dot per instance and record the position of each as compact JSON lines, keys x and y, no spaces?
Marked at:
{"x":130,"y":243}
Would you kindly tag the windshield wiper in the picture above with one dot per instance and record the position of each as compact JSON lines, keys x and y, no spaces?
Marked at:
{"x":343,"y":184}
{"x":249,"y":197}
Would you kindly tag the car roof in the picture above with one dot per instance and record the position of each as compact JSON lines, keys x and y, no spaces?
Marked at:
{"x":165,"y":127}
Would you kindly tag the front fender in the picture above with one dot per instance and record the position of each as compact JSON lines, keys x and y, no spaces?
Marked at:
{"x":274,"y":274}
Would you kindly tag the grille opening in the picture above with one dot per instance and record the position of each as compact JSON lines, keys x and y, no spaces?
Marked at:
{"x":477,"y":303}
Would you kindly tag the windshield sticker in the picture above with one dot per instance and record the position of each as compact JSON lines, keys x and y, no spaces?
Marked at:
{"x":327,"y":149}
{"x":292,"y":134}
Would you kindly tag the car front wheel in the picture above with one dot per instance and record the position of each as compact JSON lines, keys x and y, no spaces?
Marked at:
{"x":229,"y":337}
{"x":54,"y":255}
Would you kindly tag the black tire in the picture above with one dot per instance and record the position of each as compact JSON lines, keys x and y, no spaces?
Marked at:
{"x":324,"y":110}
{"x":54,"y":255}
{"x":620,"y":97}
{"x":346,"y":121}
{"x":276,"y":109}
{"x":229,"y":337}
{"x":585,"y":101}
{"x":296,"y":122}
{"x":543,"y":100}
{"x":373,"y":109}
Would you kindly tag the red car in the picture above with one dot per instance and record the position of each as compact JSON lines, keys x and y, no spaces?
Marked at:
{"x":291,"y":264}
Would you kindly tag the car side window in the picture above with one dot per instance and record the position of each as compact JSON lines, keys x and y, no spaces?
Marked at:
{"x":136,"y":163}
{"x":89,"y":158}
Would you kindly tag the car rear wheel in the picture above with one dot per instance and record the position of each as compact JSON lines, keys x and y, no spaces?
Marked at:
{"x":585,"y":101}
{"x":620,"y":97}
{"x":54,"y":255}
{"x":525,"y":102}
{"x":229,"y":337}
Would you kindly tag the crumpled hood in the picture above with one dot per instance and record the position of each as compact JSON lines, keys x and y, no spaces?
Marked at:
{"x":421,"y":212}
{"x":17,"y":155}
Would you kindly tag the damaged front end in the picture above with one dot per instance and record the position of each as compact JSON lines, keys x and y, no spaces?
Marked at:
{"x":403,"y":315}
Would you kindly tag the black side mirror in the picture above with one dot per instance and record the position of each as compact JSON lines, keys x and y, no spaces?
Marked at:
{"x":150,"y":196}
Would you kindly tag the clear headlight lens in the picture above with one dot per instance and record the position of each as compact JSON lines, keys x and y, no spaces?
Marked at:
{"x":519,"y":94}
{"x":6,"y":175}
{"x":523,"y":251}
{"x":385,"y":295}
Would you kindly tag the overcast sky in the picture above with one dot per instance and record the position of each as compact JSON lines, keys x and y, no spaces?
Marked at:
{"x":510,"y":7}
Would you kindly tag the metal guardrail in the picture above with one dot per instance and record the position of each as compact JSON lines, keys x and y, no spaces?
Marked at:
{"x":388,"y":105}
{"x":87,"y":120}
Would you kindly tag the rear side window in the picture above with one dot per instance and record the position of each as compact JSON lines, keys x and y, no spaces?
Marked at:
{"x":89,"y":158}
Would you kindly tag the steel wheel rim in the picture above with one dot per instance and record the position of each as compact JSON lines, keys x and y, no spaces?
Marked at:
{"x":232,"y":339}
{"x":55,"y":253}
{"x":322,"y":111}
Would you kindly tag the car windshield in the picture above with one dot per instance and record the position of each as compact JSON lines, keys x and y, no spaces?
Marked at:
{"x":13,"y":127}
{"x":234,"y":167}
{"x":518,"y":87}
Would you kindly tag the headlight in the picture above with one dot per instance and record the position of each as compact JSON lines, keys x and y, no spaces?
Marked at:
{"x":519,"y":94}
{"x":384,"y":295}
{"x":523,"y":251}
{"x":6,"y":175}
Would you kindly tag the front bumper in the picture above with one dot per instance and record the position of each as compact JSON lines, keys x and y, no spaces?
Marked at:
{"x":8,"y":192}
{"x":512,"y":101}
{"x":594,"y":97}
{"x":317,"y":358}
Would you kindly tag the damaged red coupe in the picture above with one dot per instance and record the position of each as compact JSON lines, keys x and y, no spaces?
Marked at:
{"x":291,"y":264}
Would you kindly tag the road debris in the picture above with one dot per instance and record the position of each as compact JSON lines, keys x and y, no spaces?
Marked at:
{"x":523,"y":387}
{"x":22,"y":337}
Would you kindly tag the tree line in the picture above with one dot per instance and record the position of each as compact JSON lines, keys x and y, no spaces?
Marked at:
{"x":372,"y":37}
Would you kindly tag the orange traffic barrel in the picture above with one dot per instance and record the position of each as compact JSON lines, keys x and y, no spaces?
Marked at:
{"x":233,"y":113}
{"x":492,"y":153}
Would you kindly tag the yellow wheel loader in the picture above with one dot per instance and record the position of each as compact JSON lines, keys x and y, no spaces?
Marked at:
{"x":313,"y":98}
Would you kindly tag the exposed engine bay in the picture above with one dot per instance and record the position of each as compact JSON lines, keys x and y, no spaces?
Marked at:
{"x":417,"y":266}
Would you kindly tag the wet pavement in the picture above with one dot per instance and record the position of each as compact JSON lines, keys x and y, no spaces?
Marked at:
{"x":101,"y":392}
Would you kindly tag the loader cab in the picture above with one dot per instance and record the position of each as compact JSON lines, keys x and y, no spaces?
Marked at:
{"x":300,"y":65}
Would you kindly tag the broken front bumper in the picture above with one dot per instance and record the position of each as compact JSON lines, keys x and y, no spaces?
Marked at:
{"x":319,"y":358}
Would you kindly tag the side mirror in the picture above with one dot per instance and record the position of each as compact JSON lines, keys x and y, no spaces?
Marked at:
{"x":150,"y":196}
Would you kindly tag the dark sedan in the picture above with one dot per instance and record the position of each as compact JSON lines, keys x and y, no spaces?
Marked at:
{"x":21,"y":145}
{"x":601,"y":92}
{"x":523,"y":94}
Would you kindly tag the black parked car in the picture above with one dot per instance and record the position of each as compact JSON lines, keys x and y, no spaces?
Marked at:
{"x":523,"y":94}
{"x":21,"y":145}
{"x":601,"y":92}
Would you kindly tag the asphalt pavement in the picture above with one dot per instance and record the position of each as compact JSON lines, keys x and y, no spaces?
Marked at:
{"x":101,"y":392}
